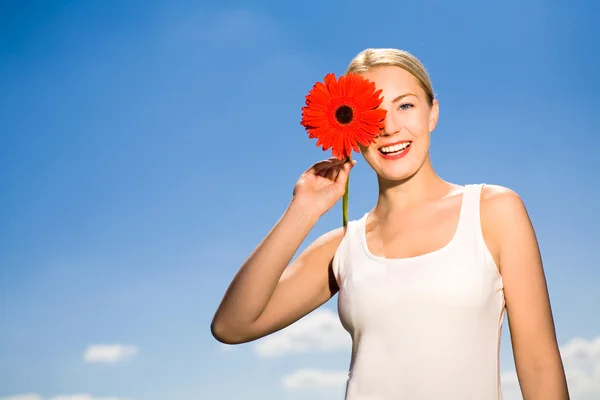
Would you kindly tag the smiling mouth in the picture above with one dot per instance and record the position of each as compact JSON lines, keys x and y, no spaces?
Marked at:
{"x":395,"y":149}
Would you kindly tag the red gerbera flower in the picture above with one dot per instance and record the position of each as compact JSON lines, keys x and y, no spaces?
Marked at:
{"x":343,"y":113}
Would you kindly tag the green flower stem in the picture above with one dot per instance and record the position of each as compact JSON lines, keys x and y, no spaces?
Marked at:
{"x":345,"y":204}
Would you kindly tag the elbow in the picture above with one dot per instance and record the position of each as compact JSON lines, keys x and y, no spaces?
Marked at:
{"x":224,"y":334}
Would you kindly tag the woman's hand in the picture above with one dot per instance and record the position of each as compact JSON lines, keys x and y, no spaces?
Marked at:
{"x":322,"y":185}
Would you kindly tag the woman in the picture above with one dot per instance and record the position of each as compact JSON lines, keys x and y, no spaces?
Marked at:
{"x":423,"y":278}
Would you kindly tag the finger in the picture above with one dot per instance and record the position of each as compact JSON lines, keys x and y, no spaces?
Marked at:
{"x":333,"y":172}
{"x":323,"y":172}
{"x":347,"y":161}
{"x":326,"y":170}
{"x":323,"y":164}
{"x":344,"y":171}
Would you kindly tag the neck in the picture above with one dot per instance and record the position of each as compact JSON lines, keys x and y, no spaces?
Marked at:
{"x":424,"y":185}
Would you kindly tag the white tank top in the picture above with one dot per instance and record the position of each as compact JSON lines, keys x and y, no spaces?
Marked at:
{"x":425,"y":327}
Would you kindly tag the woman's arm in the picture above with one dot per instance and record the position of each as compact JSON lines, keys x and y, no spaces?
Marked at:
{"x":265,"y":296}
{"x":513,"y":242}
{"x":261,"y":298}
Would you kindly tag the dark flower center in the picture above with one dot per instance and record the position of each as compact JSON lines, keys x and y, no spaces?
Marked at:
{"x":344,"y":114}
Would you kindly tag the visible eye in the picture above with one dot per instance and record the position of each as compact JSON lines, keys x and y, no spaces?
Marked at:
{"x":405,"y":106}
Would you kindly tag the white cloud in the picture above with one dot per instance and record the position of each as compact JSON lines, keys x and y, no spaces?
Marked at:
{"x":581,"y":359}
{"x":320,"y":330}
{"x":225,"y":348}
{"x":85,"y":397}
{"x":108,"y":353}
{"x":314,"y":379}
{"x":34,"y":396}
{"x":582,"y":363}
{"x":27,"y":396}
{"x":510,"y":386}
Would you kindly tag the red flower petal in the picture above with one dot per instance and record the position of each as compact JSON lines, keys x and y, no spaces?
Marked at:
{"x":324,"y":99}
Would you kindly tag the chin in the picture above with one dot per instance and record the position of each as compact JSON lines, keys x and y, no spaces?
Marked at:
{"x":396,"y":175}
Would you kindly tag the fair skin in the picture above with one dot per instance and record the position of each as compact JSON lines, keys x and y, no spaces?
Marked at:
{"x":270,"y":292}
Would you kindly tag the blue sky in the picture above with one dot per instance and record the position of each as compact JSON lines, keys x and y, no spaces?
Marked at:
{"x":147,"y":146}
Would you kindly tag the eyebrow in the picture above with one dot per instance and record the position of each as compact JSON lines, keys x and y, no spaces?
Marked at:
{"x":402,"y":96}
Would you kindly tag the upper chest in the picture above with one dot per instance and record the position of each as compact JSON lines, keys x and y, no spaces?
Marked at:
{"x":416,"y":231}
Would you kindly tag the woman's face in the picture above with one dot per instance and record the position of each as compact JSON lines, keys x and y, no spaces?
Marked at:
{"x":403,"y":145}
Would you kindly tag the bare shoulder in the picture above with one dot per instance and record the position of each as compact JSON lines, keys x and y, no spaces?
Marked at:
{"x":332,"y":238}
{"x":499,"y":202}
{"x":503,"y":213}
{"x":497,"y":196}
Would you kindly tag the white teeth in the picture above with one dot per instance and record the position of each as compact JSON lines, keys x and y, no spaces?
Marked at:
{"x":395,"y":148}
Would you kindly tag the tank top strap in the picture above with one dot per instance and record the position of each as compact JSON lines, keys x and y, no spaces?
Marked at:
{"x":470,"y":221}
{"x":348,"y":249}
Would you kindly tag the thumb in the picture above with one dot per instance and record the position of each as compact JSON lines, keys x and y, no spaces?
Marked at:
{"x":342,"y":178}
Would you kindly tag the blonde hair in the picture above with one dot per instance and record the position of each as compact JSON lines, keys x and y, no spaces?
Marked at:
{"x":372,"y":58}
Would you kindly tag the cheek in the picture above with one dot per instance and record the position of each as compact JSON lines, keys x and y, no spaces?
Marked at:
{"x":369,"y":154}
{"x":417,"y":124}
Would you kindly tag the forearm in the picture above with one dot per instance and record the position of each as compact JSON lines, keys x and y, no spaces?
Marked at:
{"x":544,"y":383}
{"x":255,"y":282}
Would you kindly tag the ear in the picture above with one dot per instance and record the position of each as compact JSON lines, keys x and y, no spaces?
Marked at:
{"x":434,"y":113}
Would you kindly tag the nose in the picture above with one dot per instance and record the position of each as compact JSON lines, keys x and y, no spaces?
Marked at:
{"x":390,"y":125}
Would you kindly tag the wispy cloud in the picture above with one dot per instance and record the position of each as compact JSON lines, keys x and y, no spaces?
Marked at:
{"x":225,"y":348}
{"x":320,"y":330}
{"x":109,"y":353}
{"x":510,"y":386}
{"x":582,"y":362}
{"x":314,"y":379}
{"x":34,"y":396}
